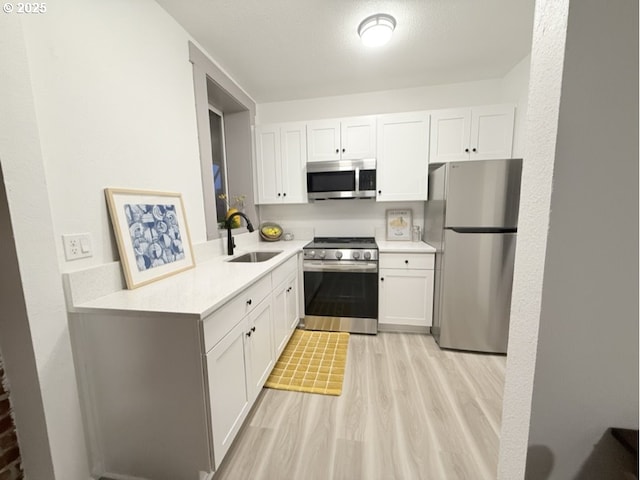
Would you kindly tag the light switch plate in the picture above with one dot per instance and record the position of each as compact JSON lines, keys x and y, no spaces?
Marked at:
{"x":77,"y":245}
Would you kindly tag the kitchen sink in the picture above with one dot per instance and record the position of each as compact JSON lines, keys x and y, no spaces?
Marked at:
{"x":255,"y":257}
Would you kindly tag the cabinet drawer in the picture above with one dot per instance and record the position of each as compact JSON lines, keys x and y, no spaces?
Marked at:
{"x":284,"y":271}
{"x":422,"y":261}
{"x":220,"y":322}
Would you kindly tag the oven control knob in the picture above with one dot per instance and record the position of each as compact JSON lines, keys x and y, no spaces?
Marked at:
{"x":356,"y":255}
{"x":323,"y":254}
{"x":338,"y":254}
{"x":367,"y":255}
{"x":313,"y":253}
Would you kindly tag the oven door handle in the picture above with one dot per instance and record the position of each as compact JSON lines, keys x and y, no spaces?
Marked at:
{"x":340,"y":266}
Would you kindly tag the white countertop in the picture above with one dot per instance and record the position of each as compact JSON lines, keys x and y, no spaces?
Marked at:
{"x":205,"y":288}
{"x":399,"y":246}
{"x":200,"y":290}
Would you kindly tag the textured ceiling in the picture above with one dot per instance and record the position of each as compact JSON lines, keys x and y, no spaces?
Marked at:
{"x":290,"y":49}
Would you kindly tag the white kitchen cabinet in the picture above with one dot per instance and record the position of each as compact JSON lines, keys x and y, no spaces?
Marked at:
{"x":228,"y":389}
{"x":260,"y":350}
{"x":240,"y":362}
{"x":403,"y":156}
{"x":406,"y":291}
{"x":341,"y":139}
{"x":477,"y":133}
{"x":165,"y":391}
{"x":281,"y":157}
{"x":285,"y":304}
{"x":237,"y":368}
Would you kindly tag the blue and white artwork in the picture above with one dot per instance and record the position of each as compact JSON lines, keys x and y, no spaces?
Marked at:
{"x":155,"y":234}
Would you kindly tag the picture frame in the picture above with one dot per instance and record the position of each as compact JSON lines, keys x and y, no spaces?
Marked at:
{"x":399,"y":224}
{"x":151,"y":232}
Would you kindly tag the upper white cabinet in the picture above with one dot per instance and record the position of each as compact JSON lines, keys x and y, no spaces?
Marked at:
{"x":403,"y":156}
{"x":281,"y":157}
{"x":477,"y":133}
{"x":341,"y":139}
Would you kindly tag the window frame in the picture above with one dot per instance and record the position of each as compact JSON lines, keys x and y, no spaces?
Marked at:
{"x":224,"y":164}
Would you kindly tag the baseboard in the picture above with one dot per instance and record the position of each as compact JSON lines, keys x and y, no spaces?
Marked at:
{"x":392,"y":328}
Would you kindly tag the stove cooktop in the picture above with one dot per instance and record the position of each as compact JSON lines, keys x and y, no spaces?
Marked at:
{"x":332,"y":249}
{"x":343,"y":243}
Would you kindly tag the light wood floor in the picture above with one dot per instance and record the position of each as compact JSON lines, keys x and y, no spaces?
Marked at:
{"x":408,"y":410}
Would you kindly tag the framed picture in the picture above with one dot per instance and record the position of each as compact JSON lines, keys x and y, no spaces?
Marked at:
{"x":399,"y":223}
{"x":151,"y":232}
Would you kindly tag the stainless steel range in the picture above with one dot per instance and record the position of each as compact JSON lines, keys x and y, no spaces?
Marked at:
{"x":341,"y":284}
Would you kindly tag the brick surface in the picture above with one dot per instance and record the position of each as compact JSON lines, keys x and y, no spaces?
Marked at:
{"x":10,"y":463}
{"x":5,"y":406}
{"x":6,"y":424}
{"x":8,"y":440}
{"x":9,"y":456}
{"x":12,"y":472}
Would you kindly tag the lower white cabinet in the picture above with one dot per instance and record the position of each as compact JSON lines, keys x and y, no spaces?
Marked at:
{"x":228,"y":389}
{"x":406,"y":291}
{"x":237,"y":368}
{"x":285,"y":301}
{"x":164,"y":395}
{"x":286,"y":313}
{"x":259,"y":352}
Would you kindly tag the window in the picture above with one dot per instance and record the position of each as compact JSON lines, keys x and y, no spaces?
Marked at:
{"x":218,"y":161}
{"x":224,"y":117}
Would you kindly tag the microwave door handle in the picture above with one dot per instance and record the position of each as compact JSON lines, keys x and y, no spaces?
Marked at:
{"x":357,"y":179}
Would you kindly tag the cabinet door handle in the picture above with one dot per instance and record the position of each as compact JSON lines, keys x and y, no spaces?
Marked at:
{"x":382,"y":279}
{"x":379,"y":192}
{"x":474,"y":149}
{"x":466,"y":150}
{"x":249,"y":302}
{"x":253,"y":329}
{"x":248,"y":334}
{"x":278,"y":194}
{"x":344,"y":150}
{"x":284,"y":194}
{"x":406,"y":262}
{"x":337,"y":150}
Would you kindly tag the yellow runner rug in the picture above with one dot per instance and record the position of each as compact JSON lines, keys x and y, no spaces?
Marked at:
{"x":311,"y":362}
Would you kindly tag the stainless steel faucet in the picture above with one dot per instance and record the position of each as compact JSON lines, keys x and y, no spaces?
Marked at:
{"x":227,"y":224}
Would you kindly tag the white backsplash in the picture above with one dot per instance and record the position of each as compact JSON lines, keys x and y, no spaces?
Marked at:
{"x":361,"y":218}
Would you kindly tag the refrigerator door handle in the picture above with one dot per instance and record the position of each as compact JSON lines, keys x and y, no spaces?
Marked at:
{"x":482,"y":230}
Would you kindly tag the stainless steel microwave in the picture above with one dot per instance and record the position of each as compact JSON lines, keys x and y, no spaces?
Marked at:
{"x":341,"y":179}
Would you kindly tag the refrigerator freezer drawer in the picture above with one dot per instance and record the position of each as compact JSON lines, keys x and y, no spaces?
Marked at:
{"x":477,"y":277}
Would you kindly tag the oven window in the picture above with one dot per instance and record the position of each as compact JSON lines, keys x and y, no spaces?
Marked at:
{"x":341,"y":294}
{"x":331,"y":181}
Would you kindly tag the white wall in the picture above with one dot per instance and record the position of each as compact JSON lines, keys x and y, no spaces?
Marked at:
{"x":515,"y":89}
{"x":586,"y":376}
{"x":547,"y":56}
{"x":35,"y":337}
{"x":388,"y":101}
{"x":94,"y":94}
{"x":113,"y":89}
{"x":361,"y":218}
{"x":573,"y":341}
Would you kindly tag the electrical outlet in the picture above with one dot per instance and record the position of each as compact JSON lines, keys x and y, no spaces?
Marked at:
{"x":77,"y":245}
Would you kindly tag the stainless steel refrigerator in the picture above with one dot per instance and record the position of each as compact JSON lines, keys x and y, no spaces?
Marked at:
{"x":471,"y":218}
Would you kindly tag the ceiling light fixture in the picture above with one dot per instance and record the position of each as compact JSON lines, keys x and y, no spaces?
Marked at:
{"x":376,"y":30}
